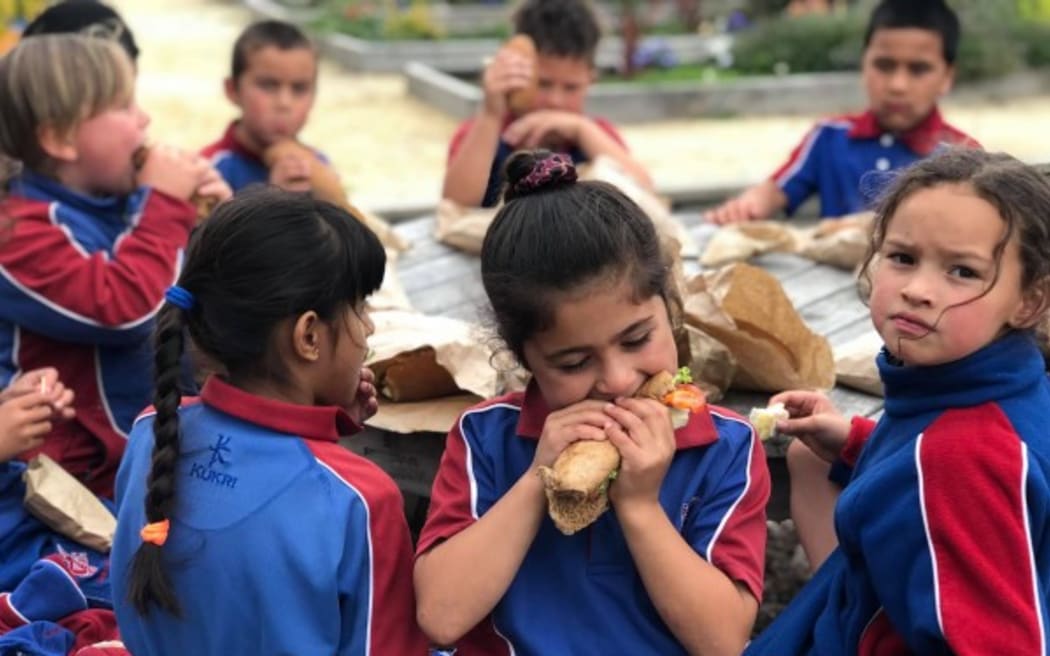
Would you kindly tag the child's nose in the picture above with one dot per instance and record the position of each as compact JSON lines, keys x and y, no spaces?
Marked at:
{"x":918,"y":291}
{"x":617,"y":380}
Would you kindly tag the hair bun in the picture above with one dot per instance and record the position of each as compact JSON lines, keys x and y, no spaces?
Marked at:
{"x":531,"y":171}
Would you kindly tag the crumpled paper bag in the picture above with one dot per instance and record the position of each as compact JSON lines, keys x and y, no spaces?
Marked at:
{"x":63,"y":504}
{"x":746,"y":309}
{"x":841,"y":242}
{"x":855,"y":364}
{"x":464,"y":228}
{"x":428,"y":362}
{"x":391,"y":294}
{"x":710,"y":362}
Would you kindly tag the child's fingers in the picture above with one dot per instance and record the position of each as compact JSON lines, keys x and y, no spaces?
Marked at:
{"x":367,"y":375}
{"x":631,"y":423}
{"x":33,"y":403}
{"x":36,"y":431}
{"x":620,"y":439}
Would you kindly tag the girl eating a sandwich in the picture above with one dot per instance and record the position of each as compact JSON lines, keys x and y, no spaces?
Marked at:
{"x":583,"y":298}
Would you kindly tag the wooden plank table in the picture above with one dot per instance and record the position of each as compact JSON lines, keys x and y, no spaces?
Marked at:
{"x":441,"y":280}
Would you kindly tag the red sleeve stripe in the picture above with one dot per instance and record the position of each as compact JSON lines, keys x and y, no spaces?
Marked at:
{"x":743,"y":493}
{"x":977,"y":532}
{"x":371,"y":558}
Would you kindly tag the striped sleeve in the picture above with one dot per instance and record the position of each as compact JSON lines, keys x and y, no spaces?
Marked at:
{"x":51,"y":285}
{"x":974,"y":487}
{"x":453,"y":497}
{"x":798,"y":177}
{"x":377,"y":601}
{"x":728,"y":526}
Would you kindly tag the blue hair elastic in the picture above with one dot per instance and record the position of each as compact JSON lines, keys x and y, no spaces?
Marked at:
{"x":180,"y":297}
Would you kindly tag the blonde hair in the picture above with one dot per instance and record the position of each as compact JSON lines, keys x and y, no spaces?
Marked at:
{"x":57,"y":81}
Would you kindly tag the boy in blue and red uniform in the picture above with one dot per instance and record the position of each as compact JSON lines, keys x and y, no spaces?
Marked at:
{"x":273,"y":82}
{"x":566,"y":34}
{"x":908,"y":64}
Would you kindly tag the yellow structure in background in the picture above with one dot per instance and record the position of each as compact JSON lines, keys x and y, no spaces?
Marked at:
{"x":14,"y":14}
{"x":1034,"y":9}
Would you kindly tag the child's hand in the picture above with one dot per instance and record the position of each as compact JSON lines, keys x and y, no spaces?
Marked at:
{"x":508,"y":71}
{"x":815,"y":421}
{"x":291,"y":172}
{"x":24,"y":421}
{"x":579,"y":421}
{"x":214,"y":186}
{"x":175,"y":172}
{"x":45,"y":381}
{"x":365,"y":404}
{"x":547,"y":128}
{"x":643,"y":434}
{"x":757,"y":203}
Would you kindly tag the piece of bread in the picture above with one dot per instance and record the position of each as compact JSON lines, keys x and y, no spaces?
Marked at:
{"x":520,"y":100}
{"x":576,"y":484}
{"x":765,"y":420}
{"x":202,"y":204}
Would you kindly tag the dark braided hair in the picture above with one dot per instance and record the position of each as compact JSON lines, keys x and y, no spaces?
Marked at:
{"x":262,"y":257}
{"x":555,"y":234}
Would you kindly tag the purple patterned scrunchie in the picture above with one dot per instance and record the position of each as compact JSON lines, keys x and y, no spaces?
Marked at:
{"x":549,"y":169}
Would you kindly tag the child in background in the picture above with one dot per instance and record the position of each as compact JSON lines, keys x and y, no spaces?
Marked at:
{"x":308,"y":540}
{"x":907,"y":66}
{"x":943,"y":524}
{"x":566,"y":35}
{"x":582,"y":298}
{"x":95,"y":240}
{"x":273,"y":81}
{"x":88,"y":17}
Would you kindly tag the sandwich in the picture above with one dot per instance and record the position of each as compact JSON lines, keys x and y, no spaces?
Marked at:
{"x":577,"y":483}
{"x":203,"y":204}
{"x":520,"y":100}
{"x":765,"y":420}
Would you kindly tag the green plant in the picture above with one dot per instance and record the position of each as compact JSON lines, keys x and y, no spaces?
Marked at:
{"x":801,"y":45}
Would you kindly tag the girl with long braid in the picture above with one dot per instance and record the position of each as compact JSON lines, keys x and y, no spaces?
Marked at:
{"x":243,"y":526}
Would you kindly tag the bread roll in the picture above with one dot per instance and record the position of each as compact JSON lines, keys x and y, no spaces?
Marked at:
{"x":520,"y":100}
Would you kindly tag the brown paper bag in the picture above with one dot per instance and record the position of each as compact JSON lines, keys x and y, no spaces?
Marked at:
{"x":855,"y":364}
{"x":391,"y":294}
{"x":461,"y":227}
{"x":742,"y":241}
{"x":67,"y":507}
{"x":746,"y":309}
{"x":840,"y":243}
{"x":710,"y":362}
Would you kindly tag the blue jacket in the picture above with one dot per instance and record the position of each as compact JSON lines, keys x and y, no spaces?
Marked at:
{"x":944,"y":529}
{"x":281,"y":542}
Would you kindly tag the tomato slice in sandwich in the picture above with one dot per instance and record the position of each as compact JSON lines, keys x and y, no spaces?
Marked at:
{"x":685,"y":397}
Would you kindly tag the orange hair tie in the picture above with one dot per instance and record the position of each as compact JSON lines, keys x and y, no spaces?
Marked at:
{"x":156,"y":533}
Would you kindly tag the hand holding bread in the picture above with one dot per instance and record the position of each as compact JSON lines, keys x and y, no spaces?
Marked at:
{"x":509,"y":80}
{"x":813,"y":419}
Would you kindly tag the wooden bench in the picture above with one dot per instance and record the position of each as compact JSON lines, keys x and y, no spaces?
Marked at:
{"x":443,"y":281}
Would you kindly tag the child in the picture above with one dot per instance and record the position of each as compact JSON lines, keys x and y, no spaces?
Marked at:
{"x":580,"y":294}
{"x":309,"y":541}
{"x":95,"y":240}
{"x":908,"y":64}
{"x":943,"y":523}
{"x":88,"y":17}
{"x":566,"y":35}
{"x":273,"y":82}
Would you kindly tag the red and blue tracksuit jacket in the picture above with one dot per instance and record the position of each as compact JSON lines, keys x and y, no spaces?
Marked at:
{"x":847,"y":161}
{"x":944,"y":528}
{"x":581,"y":593}
{"x":281,"y":542}
{"x":81,"y":279}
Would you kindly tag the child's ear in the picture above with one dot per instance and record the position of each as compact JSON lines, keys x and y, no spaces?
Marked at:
{"x":56,"y":144}
{"x":306,"y":336}
{"x":949,"y":80}
{"x":229,"y":86}
{"x":1034,"y":304}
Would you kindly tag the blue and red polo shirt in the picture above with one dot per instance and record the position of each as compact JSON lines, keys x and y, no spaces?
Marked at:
{"x":582,"y":594}
{"x":504,"y":150}
{"x":944,"y":528}
{"x":847,"y":160}
{"x":281,"y":541}
{"x":238,"y":165}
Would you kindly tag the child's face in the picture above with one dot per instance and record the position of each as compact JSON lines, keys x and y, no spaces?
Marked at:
{"x":104,"y":146}
{"x":337,"y":384}
{"x":275,"y":94}
{"x":562,"y":83}
{"x":937,"y":259}
{"x":905,"y":74}
{"x":603,"y":344}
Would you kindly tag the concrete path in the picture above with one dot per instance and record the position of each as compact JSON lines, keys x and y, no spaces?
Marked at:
{"x":390,"y":149}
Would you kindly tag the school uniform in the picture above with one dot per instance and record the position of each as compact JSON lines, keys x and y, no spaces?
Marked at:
{"x":943,"y":527}
{"x":494,"y":186}
{"x":239,"y":166}
{"x":848,"y":160}
{"x":281,"y":540}
{"x":582,"y":594}
{"x":81,"y":279}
